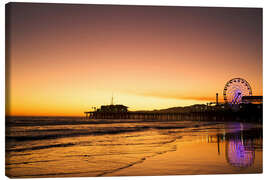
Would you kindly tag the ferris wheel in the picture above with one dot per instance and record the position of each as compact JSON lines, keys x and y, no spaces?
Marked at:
{"x":235,"y":89}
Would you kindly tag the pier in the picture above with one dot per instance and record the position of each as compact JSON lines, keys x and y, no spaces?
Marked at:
{"x":239,"y":108}
{"x":215,"y":113}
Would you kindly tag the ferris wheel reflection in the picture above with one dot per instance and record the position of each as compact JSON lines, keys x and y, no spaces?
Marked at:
{"x":238,"y":145}
{"x":240,"y":152}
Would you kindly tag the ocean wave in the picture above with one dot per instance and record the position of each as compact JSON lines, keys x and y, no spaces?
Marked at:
{"x":40,"y":147}
{"x":44,"y":134}
{"x":74,"y":134}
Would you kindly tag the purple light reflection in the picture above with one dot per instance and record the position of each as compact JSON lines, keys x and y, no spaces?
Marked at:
{"x":240,"y":153}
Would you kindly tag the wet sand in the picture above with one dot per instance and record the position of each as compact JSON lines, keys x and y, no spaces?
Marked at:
{"x":201,"y":153}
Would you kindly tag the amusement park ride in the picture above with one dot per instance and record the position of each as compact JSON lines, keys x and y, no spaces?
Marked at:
{"x":238,"y":91}
{"x":235,"y":89}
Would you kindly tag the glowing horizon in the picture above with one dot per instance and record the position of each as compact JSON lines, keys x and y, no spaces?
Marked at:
{"x":66,"y":59}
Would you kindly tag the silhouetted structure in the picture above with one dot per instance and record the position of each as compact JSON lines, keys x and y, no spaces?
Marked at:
{"x":199,"y":112}
{"x":108,"y":112}
{"x":252,"y":99}
{"x":239,"y":105}
{"x":113,"y":108}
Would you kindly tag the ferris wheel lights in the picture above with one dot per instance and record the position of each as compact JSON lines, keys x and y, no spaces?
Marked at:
{"x":235,"y":89}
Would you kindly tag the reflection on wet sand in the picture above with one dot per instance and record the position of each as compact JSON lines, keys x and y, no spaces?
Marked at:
{"x":240,"y":145}
{"x":220,"y":149}
{"x":240,"y":152}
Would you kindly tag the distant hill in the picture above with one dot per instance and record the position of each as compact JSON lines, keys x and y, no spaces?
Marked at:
{"x":180,"y":109}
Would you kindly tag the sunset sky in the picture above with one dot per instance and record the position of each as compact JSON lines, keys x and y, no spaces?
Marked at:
{"x":65,"y":59}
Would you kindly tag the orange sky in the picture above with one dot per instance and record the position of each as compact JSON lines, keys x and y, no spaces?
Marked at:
{"x":65,"y":59}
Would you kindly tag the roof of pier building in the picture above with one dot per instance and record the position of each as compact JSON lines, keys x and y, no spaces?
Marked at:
{"x":113,"y":108}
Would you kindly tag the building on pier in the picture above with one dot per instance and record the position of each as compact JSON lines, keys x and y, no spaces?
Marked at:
{"x":118,"y":108}
{"x":107,"y":110}
{"x":252,"y":99}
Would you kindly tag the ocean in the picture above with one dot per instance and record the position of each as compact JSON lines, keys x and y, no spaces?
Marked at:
{"x":78,"y":147}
